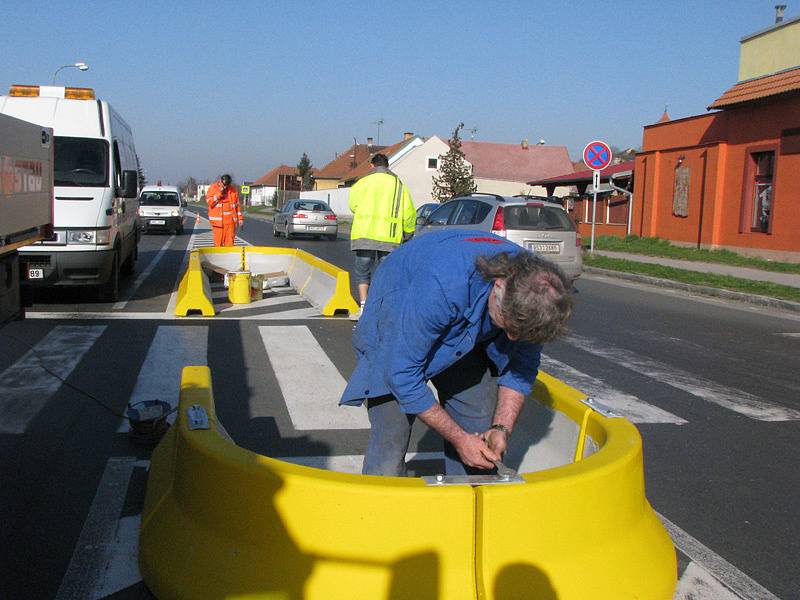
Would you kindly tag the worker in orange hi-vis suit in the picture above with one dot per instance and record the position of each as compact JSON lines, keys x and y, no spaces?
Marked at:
{"x":224,"y":211}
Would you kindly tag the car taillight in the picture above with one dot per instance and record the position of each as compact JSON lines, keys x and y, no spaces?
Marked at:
{"x":499,"y":224}
{"x":330,"y":217}
{"x":578,"y":239}
{"x":299,"y":216}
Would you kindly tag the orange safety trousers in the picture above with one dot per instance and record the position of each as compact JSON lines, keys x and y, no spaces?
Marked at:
{"x":225,"y":234}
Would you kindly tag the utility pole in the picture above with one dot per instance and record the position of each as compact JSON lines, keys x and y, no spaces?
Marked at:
{"x":472,"y":132}
{"x":379,"y":122}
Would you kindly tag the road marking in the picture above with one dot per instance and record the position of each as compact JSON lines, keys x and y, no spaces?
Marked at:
{"x":173,"y":347}
{"x":25,"y":387}
{"x":87,"y":573}
{"x":698,"y":584}
{"x":144,"y":275}
{"x":311,"y":384}
{"x":304,"y":314}
{"x":723,"y":571}
{"x":791,"y":335}
{"x":350,"y":463}
{"x":629,"y":406}
{"x":732,"y":399}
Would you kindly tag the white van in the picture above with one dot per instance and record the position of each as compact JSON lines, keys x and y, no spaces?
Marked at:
{"x":95,"y":193}
{"x":161,"y":209}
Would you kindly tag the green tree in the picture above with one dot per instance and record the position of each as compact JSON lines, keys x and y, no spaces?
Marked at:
{"x":304,"y":171}
{"x":454,"y":175}
{"x":140,"y":171}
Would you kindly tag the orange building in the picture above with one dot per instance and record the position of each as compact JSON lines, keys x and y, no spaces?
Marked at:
{"x":731,"y":178}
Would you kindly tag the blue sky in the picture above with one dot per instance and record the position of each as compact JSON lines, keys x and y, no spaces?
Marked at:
{"x":245,"y":86}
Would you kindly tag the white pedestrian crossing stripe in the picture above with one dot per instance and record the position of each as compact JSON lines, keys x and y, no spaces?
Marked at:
{"x":629,"y":406}
{"x":205,"y":239}
{"x":26,"y":386}
{"x":172,"y":348}
{"x":732,"y":399}
{"x":310,"y":383}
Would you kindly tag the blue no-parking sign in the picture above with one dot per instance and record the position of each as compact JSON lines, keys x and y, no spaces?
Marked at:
{"x":597,"y":155}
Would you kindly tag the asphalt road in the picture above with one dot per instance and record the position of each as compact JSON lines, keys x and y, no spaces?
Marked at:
{"x":712,"y":384}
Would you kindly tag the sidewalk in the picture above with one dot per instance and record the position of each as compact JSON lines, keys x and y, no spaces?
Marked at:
{"x":790,"y":279}
{"x":787,"y":279}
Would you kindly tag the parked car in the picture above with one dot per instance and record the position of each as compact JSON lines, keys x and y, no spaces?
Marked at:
{"x":306,"y":217}
{"x":161,"y":209}
{"x":540,"y":226}
{"x":425,"y":210}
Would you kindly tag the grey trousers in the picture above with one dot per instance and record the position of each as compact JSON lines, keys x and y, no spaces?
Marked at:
{"x":467,"y":391}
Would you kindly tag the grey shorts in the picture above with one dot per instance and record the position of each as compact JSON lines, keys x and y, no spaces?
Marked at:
{"x":366,"y":261}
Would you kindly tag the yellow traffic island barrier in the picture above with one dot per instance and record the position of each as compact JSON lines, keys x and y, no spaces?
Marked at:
{"x":222,"y":522}
{"x":322,"y":284}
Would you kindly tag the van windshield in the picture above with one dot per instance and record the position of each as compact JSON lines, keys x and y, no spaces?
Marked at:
{"x":159,"y":199}
{"x":81,"y":162}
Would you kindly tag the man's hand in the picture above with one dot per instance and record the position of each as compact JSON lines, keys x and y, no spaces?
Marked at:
{"x":474,"y":452}
{"x":497,"y":440}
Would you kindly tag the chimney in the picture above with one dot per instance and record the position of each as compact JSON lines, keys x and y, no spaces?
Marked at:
{"x":779,"y":8}
{"x":524,"y":144}
{"x":408,"y":135}
{"x":369,"y":142}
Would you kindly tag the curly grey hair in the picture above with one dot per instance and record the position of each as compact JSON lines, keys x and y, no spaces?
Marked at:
{"x":538,"y":297}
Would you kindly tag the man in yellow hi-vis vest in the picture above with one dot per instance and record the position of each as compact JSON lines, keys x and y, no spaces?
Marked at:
{"x":383,"y":218}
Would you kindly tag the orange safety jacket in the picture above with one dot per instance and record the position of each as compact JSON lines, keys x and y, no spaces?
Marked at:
{"x":223,"y":206}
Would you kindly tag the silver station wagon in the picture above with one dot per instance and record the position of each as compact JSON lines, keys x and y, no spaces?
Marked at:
{"x":307,"y":217}
{"x":535,"y":224}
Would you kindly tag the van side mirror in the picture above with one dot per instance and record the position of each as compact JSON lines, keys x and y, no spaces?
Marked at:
{"x":130,"y":184}
{"x":422,"y":220}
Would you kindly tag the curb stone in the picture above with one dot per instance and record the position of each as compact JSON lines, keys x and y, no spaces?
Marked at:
{"x":698,"y":289}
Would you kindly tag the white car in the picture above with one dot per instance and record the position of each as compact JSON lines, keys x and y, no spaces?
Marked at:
{"x":161,"y":209}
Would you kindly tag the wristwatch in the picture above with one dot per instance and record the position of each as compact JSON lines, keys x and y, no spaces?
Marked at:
{"x":502,"y":428}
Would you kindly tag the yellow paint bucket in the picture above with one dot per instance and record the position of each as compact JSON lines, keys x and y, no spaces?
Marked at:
{"x":239,"y":287}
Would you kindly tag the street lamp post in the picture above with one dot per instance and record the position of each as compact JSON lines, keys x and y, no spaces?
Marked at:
{"x":82,"y":66}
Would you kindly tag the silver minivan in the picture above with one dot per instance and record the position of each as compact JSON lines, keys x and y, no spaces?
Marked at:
{"x":537,"y":225}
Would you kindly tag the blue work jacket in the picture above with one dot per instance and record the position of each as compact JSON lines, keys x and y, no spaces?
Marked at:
{"x":424,"y":311}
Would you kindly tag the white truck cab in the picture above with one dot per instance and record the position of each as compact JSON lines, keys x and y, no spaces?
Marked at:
{"x":95,"y":190}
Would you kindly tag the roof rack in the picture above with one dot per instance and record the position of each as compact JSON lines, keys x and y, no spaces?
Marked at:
{"x":497,"y":197}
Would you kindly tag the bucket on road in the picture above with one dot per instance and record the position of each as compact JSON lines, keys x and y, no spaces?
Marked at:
{"x":239,"y":287}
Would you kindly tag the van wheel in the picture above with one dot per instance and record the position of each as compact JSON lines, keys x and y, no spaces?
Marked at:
{"x":275,"y":232}
{"x":109,"y":291}
{"x":179,"y":230}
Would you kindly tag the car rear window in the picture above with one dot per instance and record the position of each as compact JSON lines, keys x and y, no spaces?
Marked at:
{"x":533,"y":217}
{"x":311,"y":206}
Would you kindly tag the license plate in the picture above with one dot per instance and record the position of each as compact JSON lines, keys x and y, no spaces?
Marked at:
{"x":546,"y":248}
{"x":157,"y":222}
{"x":35,"y":273}
{"x":312,"y":228}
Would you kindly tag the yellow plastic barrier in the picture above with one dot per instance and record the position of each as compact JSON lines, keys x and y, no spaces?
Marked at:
{"x":323,"y":284}
{"x":222,"y":522}
{"x":194,"y":291}
{"x":581,"y":531}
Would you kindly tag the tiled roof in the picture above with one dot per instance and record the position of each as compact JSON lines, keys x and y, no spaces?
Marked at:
{"x":512,"y":162}
{"x":585,"y":175}
{"x":344,"y":162}
{"x":762,"y":87}
{"x":272,"y":177}
{"x":365,"y":167}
